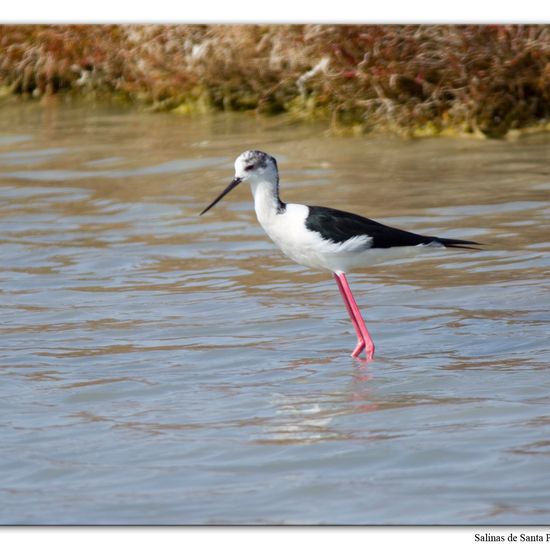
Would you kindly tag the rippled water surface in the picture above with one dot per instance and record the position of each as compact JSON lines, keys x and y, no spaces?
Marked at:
{"x":160,"y":367}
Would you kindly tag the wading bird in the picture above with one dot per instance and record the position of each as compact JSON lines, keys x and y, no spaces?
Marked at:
{"x":325,"y":238}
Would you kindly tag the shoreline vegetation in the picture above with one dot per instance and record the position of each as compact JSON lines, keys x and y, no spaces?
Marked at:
{"x":412,"y":80}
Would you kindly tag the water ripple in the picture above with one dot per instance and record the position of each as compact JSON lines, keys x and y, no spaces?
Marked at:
{"x":161,"y":367}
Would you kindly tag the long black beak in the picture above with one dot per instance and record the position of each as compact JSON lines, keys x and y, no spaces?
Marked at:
{"x":232,"y":185}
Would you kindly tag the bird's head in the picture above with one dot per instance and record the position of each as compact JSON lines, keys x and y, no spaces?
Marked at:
{"x":251,"y":166}
{"x":255,"y":165}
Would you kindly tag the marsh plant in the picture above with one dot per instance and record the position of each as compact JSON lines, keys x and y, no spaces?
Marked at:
{"x":410,"y":79}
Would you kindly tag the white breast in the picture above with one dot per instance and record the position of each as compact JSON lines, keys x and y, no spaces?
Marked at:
{"x":288,"y":231}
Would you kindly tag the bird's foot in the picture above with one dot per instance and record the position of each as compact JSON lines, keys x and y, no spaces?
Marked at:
{"x":358,"y":349}
{"x":369,"y":351}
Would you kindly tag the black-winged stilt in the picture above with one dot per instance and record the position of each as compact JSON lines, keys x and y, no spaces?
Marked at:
{"x":324,"y":238}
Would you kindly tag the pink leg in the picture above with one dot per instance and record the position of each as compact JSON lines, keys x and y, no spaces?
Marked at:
{"x":360,"y":342}
{"x":359,"y":322}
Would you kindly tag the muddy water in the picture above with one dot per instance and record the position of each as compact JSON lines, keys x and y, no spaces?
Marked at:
{"x":158,"y":367}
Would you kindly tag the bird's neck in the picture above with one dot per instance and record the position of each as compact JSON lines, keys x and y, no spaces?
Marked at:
{"x":266,"y":200}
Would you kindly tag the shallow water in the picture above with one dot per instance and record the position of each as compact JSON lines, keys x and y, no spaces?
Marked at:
{"x":160,"y":367}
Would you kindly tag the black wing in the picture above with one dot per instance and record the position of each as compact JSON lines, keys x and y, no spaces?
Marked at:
{"x":339,"y":226}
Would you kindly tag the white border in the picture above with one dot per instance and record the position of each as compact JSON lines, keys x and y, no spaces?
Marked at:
{"x":276,"y":11}
{"x":267,"y":538}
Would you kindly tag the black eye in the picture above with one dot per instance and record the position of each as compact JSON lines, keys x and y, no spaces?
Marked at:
{"x":249,"y":167}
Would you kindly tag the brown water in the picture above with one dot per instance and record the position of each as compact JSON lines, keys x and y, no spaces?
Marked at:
{"x":160,"y":367}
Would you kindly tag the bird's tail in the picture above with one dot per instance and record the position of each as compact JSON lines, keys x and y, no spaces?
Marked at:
{"x":459,"y":243}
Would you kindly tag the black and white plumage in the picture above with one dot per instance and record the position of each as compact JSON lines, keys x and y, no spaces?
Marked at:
{"x":340,"y":226}
{"x":325,"y":238}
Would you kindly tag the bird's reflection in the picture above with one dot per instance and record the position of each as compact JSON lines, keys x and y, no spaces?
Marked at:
{"x":311,"y":415}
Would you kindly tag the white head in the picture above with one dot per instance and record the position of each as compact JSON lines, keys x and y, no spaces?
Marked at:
{"x":256,"y":166}
{"x":253,"y":167}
